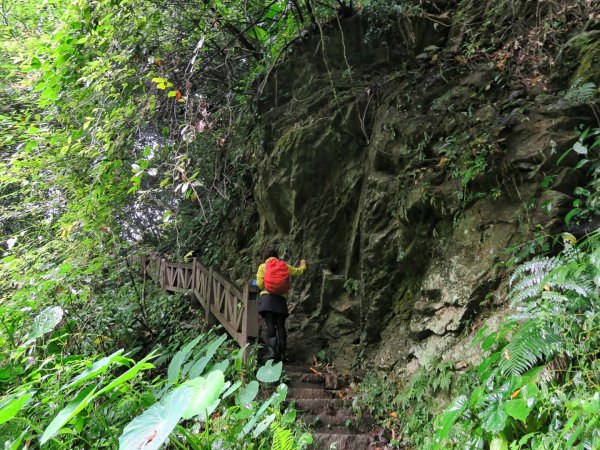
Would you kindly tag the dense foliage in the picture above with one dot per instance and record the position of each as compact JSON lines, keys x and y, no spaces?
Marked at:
{"x":119,"y":123}
{"x":104,"y":140}
{"x":538,"y":385}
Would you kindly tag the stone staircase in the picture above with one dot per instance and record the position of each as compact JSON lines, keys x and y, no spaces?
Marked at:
{"x":318,"y":399}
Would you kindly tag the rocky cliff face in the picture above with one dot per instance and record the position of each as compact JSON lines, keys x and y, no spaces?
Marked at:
{"x":403,"y":171}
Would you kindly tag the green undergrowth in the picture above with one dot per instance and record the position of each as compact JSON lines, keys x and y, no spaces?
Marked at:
{"x":537,"y":386}
{"x":206,"y":397}
{"x":94,"y":356}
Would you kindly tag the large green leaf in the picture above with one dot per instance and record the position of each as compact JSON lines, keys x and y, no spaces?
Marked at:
{"x":46,"y":321}
{"x":247,"y":395}
{"x":232,"y":389}
{"x":10,"y":406}
{"x":16,"y":444}
{"x":281,"y":393}
{"x":178,"y":360}
{"x":198,"y":367}
{"x":88,"y":395}
{"x":151,"y":429}
{"x":257,"y":416}
{"x":447,"y":420}
{"x":263,"y":425}
{"x":97,"y":368}
{"x":517,"y":408}
{"x":498,"y":443}
{"x":269,"y":373}
{"x":205,"y":393}
{"x":68,"y":412}
{"x":126,"y":376}
{"x":494,"y":418}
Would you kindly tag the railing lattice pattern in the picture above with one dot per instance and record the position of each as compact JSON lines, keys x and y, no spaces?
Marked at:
{"x":220,"y":298}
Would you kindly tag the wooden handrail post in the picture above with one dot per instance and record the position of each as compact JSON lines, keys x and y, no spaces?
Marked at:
{"x":244,"y":337}
{"x":210,"y":318}
{"x":162,"y":275}
{"x":193,"y":275}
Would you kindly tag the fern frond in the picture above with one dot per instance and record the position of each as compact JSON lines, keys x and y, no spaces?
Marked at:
{"x":580,"y":92}
{"x":579,"y":288}
{"x":443,"y":381}
{"x":537,"y":268}
{"x":283,"y":439}
{"x":555,"y":297}
{"x":530,"y":344}
{"x":526,"y":293}
{"x":528,"y":281}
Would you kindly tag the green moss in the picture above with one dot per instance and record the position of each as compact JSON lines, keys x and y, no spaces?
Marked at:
{"x":589,"y":66}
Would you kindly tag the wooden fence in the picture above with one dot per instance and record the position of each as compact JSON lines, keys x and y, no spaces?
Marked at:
{"x":222,"y":301}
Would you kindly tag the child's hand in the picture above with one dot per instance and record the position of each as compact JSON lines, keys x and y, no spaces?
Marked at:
{"x":303,"y":263}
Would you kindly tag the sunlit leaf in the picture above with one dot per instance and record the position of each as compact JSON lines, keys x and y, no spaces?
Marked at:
{"x":68,"y":412}
{"x":247,"y":395}
{"x":579,"y":148}
{"x":517,"y":408}
{"x":10,"y":406}
{"x":262,"y":426}
{"x":205,"y":393}
{"x":46,"y":321}
{"x":269,"y":373}
{"x":232,"y":389}
{"x":152,"y":428}
{"x":499,"y":443}
{"x":97,"y":368}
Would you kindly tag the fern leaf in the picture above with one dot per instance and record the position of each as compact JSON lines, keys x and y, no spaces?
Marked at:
{"x":555,"y":297}
{"x":580,"y":289}
{"x":524,"y":294}
{"x":580,"y":92}
{"x":530,"y":344}
{"x":283,"y":439}
{"x":537,"y":267}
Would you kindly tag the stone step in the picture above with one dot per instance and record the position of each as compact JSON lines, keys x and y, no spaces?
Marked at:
{"x":319,"y":405}
{"x":341,"y":417}
{"x":324,"y":441}
{"x":335,"y":429}
{"x":304,"y":377}
{"x":307,"y":392}
{"x":304,"y":384}
{"x":316,"y":421}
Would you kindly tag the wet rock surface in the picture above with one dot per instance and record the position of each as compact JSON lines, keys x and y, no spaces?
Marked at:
{"x":403,"y":180}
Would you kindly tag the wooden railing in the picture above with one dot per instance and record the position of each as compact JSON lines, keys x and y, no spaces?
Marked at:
{"x":222,"y":300}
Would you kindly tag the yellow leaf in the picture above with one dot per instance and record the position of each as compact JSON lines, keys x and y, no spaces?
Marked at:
{"x":68,"y":229}
{"x":514,"y":394}
{"x":506,"y":354}
{"x":101,"y":339}
{"x":569,"y":238}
